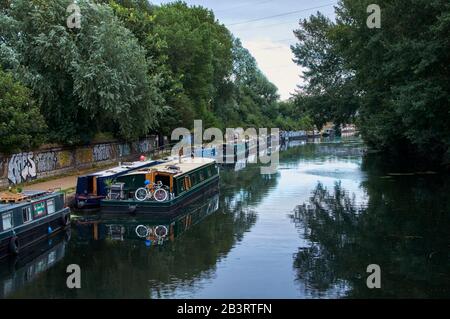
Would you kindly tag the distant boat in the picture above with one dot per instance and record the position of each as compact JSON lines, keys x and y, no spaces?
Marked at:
{"x":28,"y":217}
{"x":93,"y":187}
{"x":161,"y":188}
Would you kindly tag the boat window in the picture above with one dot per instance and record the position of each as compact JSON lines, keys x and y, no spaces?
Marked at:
{"x":165,"y":179}
{"x":187,"y":182}
{"x":90,"y":185}
{"x":26,"y":214}
{"x":51,"y":206}
{"x":194,"y":179}
{"x":7,"y":221}
{"x":39,"y":209}
{"x":181,"y":186}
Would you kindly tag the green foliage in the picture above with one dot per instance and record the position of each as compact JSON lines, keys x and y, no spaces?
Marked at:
{"x":134,"y":68}
{"x":395,"y":79}
{"x":85,"y":80}
{"x":198,"y":54}
{"x":21,"y":124}
{"x":329,"y":93}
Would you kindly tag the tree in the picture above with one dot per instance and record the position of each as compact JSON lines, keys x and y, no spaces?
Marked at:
{"x":329,"y":93}
{"x":21,"y":124}
{"x":199,"y":54}
{"x":85,"y":80}
{"x":395,"y":78}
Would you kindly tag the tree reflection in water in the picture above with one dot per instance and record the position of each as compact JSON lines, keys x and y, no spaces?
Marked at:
{"x":403,"y":228}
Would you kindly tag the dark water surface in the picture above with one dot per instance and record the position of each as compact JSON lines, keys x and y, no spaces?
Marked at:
{"x":309,"y":231}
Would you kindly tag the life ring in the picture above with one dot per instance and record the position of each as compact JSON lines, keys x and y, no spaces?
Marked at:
{"x":161,"y":195}
{"x":161,"y":231}
{"x":141,"y":194}
{"x":65,"y":219}
{"x":14,"y":245}
{"x":143,"y":231}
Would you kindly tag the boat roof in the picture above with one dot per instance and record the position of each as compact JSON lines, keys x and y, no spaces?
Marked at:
{"x":126,"y":166}
{"x":30,"y":196}
{"x":187,"y":164}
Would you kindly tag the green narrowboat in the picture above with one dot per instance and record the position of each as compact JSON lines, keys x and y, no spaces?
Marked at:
{"x":162,"y":188}
{"x":35,"y":215}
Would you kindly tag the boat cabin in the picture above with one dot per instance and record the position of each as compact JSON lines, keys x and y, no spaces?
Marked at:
{"x":93,"y":187}
{"x":29,"y":216}
{"x":174,"y":176}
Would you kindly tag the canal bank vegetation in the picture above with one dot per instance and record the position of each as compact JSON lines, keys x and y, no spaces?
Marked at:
{"x":131,"y":69}
{"x":394,"y":81}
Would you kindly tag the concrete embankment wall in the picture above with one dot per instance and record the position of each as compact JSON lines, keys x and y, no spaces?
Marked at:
{"x":28,"y":166}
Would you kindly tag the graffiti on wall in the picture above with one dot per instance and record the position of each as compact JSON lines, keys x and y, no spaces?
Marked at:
{"x":65,"y":158}
{"x":145,"y":146}
{"x":21,"y":168}
{"x":46,"y":162}
{"x":102,"y":152}
{"x":124,"y":150}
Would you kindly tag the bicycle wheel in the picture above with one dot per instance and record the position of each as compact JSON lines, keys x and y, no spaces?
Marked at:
{"x":141,"y":194}
{"x":142,"y":231}
{"x":160,"y":195}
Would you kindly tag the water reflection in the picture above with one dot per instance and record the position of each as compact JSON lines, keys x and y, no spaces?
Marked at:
{"x":256,"y":239}
{"x":19,"y":272}
{"x":145,"y":229}
{"x":403,"y":228}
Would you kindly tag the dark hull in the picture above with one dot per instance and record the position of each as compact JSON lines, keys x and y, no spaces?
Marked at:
{"x":33,"y":233}
{"x":87,"y":204}
{"x":156,"y":209}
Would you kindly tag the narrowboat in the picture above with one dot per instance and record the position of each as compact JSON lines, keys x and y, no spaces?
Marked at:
{"x":93,"y":187}
{"x":35,"y":216}
{"x":162,"y":188}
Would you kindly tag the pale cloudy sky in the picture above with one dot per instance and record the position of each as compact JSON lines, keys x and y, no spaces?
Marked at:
{"x":266,"y":29}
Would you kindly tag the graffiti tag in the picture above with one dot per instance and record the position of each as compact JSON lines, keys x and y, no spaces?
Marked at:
{"x":21,"y":168}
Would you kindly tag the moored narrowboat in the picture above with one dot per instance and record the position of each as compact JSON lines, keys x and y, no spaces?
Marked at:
{"x":162,"y":188}
{"x":37,"y":215}
{"x":93,"y":187}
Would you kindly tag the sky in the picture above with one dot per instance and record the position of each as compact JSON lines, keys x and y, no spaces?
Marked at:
{"x":269,"y":37}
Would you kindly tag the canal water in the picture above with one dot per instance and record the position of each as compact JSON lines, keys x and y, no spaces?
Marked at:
{"x":308,"y":231}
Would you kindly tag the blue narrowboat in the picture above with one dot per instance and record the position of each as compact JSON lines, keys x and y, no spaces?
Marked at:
{"x":33,"y":216}
{"x":93,"y":187}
